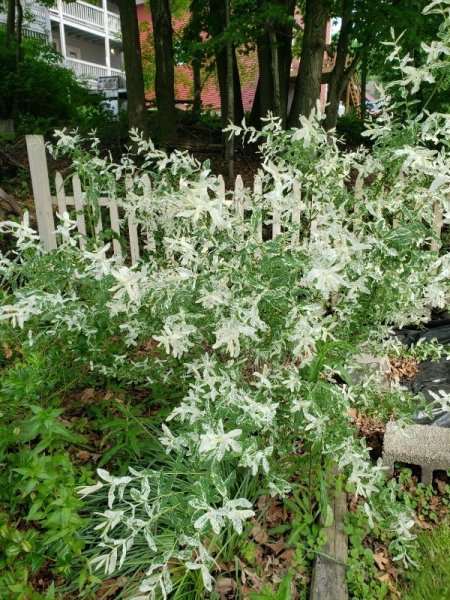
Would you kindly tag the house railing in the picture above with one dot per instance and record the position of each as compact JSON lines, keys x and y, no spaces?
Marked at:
{"x":35,"y":14}
{"x":86,"y":14}
{"x":88,"y":70}
{"x":45,"y":204}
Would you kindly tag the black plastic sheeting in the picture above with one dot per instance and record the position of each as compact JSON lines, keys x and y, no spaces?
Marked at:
{"x":432,"y":376}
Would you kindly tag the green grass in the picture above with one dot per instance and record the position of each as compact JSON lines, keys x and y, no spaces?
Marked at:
{"x":431,"y":579}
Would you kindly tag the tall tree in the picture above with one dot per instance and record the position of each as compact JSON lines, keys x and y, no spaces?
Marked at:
{"x":164,"y":76}
{"x":274,"y":22}
{"x":342,"y":71}
{"x":309,"y":78}
{"x":137,"y":114}
{"x":221,"y":36}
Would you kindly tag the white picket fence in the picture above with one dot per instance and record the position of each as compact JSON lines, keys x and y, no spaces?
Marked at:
{"x":45,"y":204}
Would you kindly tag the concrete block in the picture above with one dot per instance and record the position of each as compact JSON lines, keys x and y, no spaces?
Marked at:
{"x":423,"y":445}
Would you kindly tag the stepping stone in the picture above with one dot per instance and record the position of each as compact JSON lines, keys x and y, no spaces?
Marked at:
{"x":423,"y":445}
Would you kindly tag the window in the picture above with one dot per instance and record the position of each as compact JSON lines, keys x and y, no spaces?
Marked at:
{"x":72,"y":52}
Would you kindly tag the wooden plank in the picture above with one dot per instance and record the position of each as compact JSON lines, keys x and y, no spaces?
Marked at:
{"x":146,"y":190}
{"x":60,"y":193}
{"x":115,"y":226}
{"x":61,"y":198}
{"x":239,"y":197}
{"x":41,"y":190}
{"x":99,"y":225}
{"x":132,"y":227}
{"x":70,"y":201}
{"x":328,"y":580}
{"x":296,"y":212}
{"x":257,"y":191}
{"x":134,"y":239}
{"x":221,"y":188}
{"x":79,"y":207}
{"x":437,"y":226}
{"x":358,"y":189}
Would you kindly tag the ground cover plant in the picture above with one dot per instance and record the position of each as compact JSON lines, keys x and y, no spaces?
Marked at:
{"x":221,"y":367}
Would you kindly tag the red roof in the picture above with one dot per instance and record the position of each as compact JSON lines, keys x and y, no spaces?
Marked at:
{"x":210,"y":91}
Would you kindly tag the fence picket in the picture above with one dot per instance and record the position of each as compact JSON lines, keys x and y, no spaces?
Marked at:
{"x":41,"y":190}
{"x":115,"y":226}
{"x":146,"y":189}
{"x":99,"y":224}
{"x":132,"y":227}
{"x":61,"y":198}
{"x":79,"y":207}
{"x":221,"y":188}
{"x":296,"y":211}
{"x":134,"y":239}
{"x":60,"y":193}
{"x":437,"y":225}
{"x":239,"y":197}
{"x":358,"y":189}
{"x":257,"y":190}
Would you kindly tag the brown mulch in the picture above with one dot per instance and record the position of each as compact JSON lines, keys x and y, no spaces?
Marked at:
{"x":403,"y":369}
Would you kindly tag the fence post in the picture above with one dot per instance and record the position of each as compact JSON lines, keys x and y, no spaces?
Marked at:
{"x":41,"y":190}
{"x":437,"y":226}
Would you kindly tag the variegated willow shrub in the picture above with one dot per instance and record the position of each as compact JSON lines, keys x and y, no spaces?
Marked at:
{"x":250,"y":343}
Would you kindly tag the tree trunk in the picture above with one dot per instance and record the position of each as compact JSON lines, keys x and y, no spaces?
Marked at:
{"x":137,"y":114}
{"x":274,"y":62}
{"x":164,"y":75}
{"x":218,"y":19}
{"x":19,"y":25}
{"x":11,"y":20}
{"x":222,"y":76}
{"x":15,"y":109}
{"x":275,"y":74}
{"x":265,"y":80}
{"x":309,"y":78}
{"x":230,"y":94}
{"x":339,"y":76}
{"x":284,"y":40}
{"x":196,"y":71}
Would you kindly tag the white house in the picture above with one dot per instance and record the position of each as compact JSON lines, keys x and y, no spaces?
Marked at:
{"x":86,"y":34}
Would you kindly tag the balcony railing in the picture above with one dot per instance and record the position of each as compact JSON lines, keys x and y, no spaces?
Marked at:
{"x":88,"y":15}
{"x":90,"y":71}
{"x":35,"y":14}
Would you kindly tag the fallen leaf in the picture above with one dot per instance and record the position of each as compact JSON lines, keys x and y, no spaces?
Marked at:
{"x":353,"y":413}
{"x":256,"y":582}
{"x":258,"y":554}
{"x":287,"y":556}
{"x":277,"y":514}
{"x":226,"y":587}
{"x":110,"y":587}
{"x":260,"y":534}
{"x":423,"y":524}
{"x":7,"y":350}
{"x":381,"y":560}
{"x":262,"y":502}
{"x":276,"y":547}
{"x":87,"y":395}
{"x":83,"y":455}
